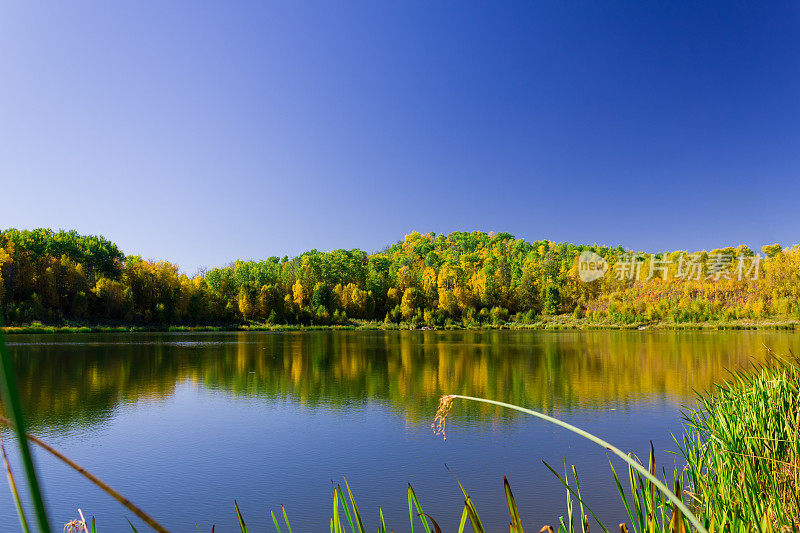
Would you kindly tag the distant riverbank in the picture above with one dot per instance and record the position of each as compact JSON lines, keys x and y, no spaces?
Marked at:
{"x":556,"y":323}
{"x":474,"y":280}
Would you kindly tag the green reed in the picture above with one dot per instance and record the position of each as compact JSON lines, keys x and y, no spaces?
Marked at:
{"x":10,"y":394}
{"x":742,"y":450}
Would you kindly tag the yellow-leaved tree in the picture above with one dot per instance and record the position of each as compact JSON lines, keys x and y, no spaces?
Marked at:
{"x":298,"y":294}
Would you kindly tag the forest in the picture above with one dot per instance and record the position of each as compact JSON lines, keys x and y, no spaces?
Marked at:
{"x":462,"y":279}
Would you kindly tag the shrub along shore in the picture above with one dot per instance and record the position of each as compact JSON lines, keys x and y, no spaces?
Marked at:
{"x":364,"y":325}
{"x":564,"y":323}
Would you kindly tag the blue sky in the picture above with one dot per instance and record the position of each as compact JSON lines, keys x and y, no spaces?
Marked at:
{"x":205,"y":132}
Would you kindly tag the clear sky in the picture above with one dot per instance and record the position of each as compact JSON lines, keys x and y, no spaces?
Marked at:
{"x":206,"y":132}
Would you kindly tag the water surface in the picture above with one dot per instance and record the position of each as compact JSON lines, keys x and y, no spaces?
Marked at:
{"x":183,"y":423}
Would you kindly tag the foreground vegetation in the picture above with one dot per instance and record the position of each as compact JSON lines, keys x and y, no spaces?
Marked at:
{"x":458,"y":280}
{"x":743,"y":451}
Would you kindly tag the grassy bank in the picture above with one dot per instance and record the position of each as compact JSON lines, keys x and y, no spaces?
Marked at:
{"x":562,"y":322}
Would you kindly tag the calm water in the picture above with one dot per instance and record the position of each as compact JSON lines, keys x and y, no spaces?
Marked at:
{"x":184,"y":423}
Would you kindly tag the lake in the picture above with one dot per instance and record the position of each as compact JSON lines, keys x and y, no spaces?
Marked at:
{"x":184,"y":423}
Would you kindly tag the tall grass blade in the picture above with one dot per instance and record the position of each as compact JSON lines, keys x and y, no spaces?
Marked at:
{"x":622,"y":495}
{"x":242,"y":525}
{"x":577,"y":495}
{"x":275,"y":521}
{"x":676,"y":524}
{"x":355,"y":508}
{"x":464,"y":517}
{"x":412,"y":499}
{"x":286,"y":519}
{"x":474,"y":519}
{"x":571,"y":527}
{"x":346,"y":509}
{"x":584,"y":518}
{"x":516,"y":522}
{"x":436,"y":527}
{"x":23,"y":522}
{"x":10,"y":394}
{"x":472,"y":511}
{"x":336,"y":524}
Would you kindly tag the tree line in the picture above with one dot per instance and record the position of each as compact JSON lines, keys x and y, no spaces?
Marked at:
{"x":467,"y":278}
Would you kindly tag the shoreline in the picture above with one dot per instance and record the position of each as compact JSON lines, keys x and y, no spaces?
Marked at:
{"x":549,"y":324}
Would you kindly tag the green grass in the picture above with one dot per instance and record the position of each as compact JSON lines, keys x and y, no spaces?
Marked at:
{"x":743,"y":450}
{"x":10,"y":393}
{"x":556,"y":323}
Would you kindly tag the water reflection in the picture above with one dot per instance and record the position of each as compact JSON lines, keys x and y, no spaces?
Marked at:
{"x":72,"y":381}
